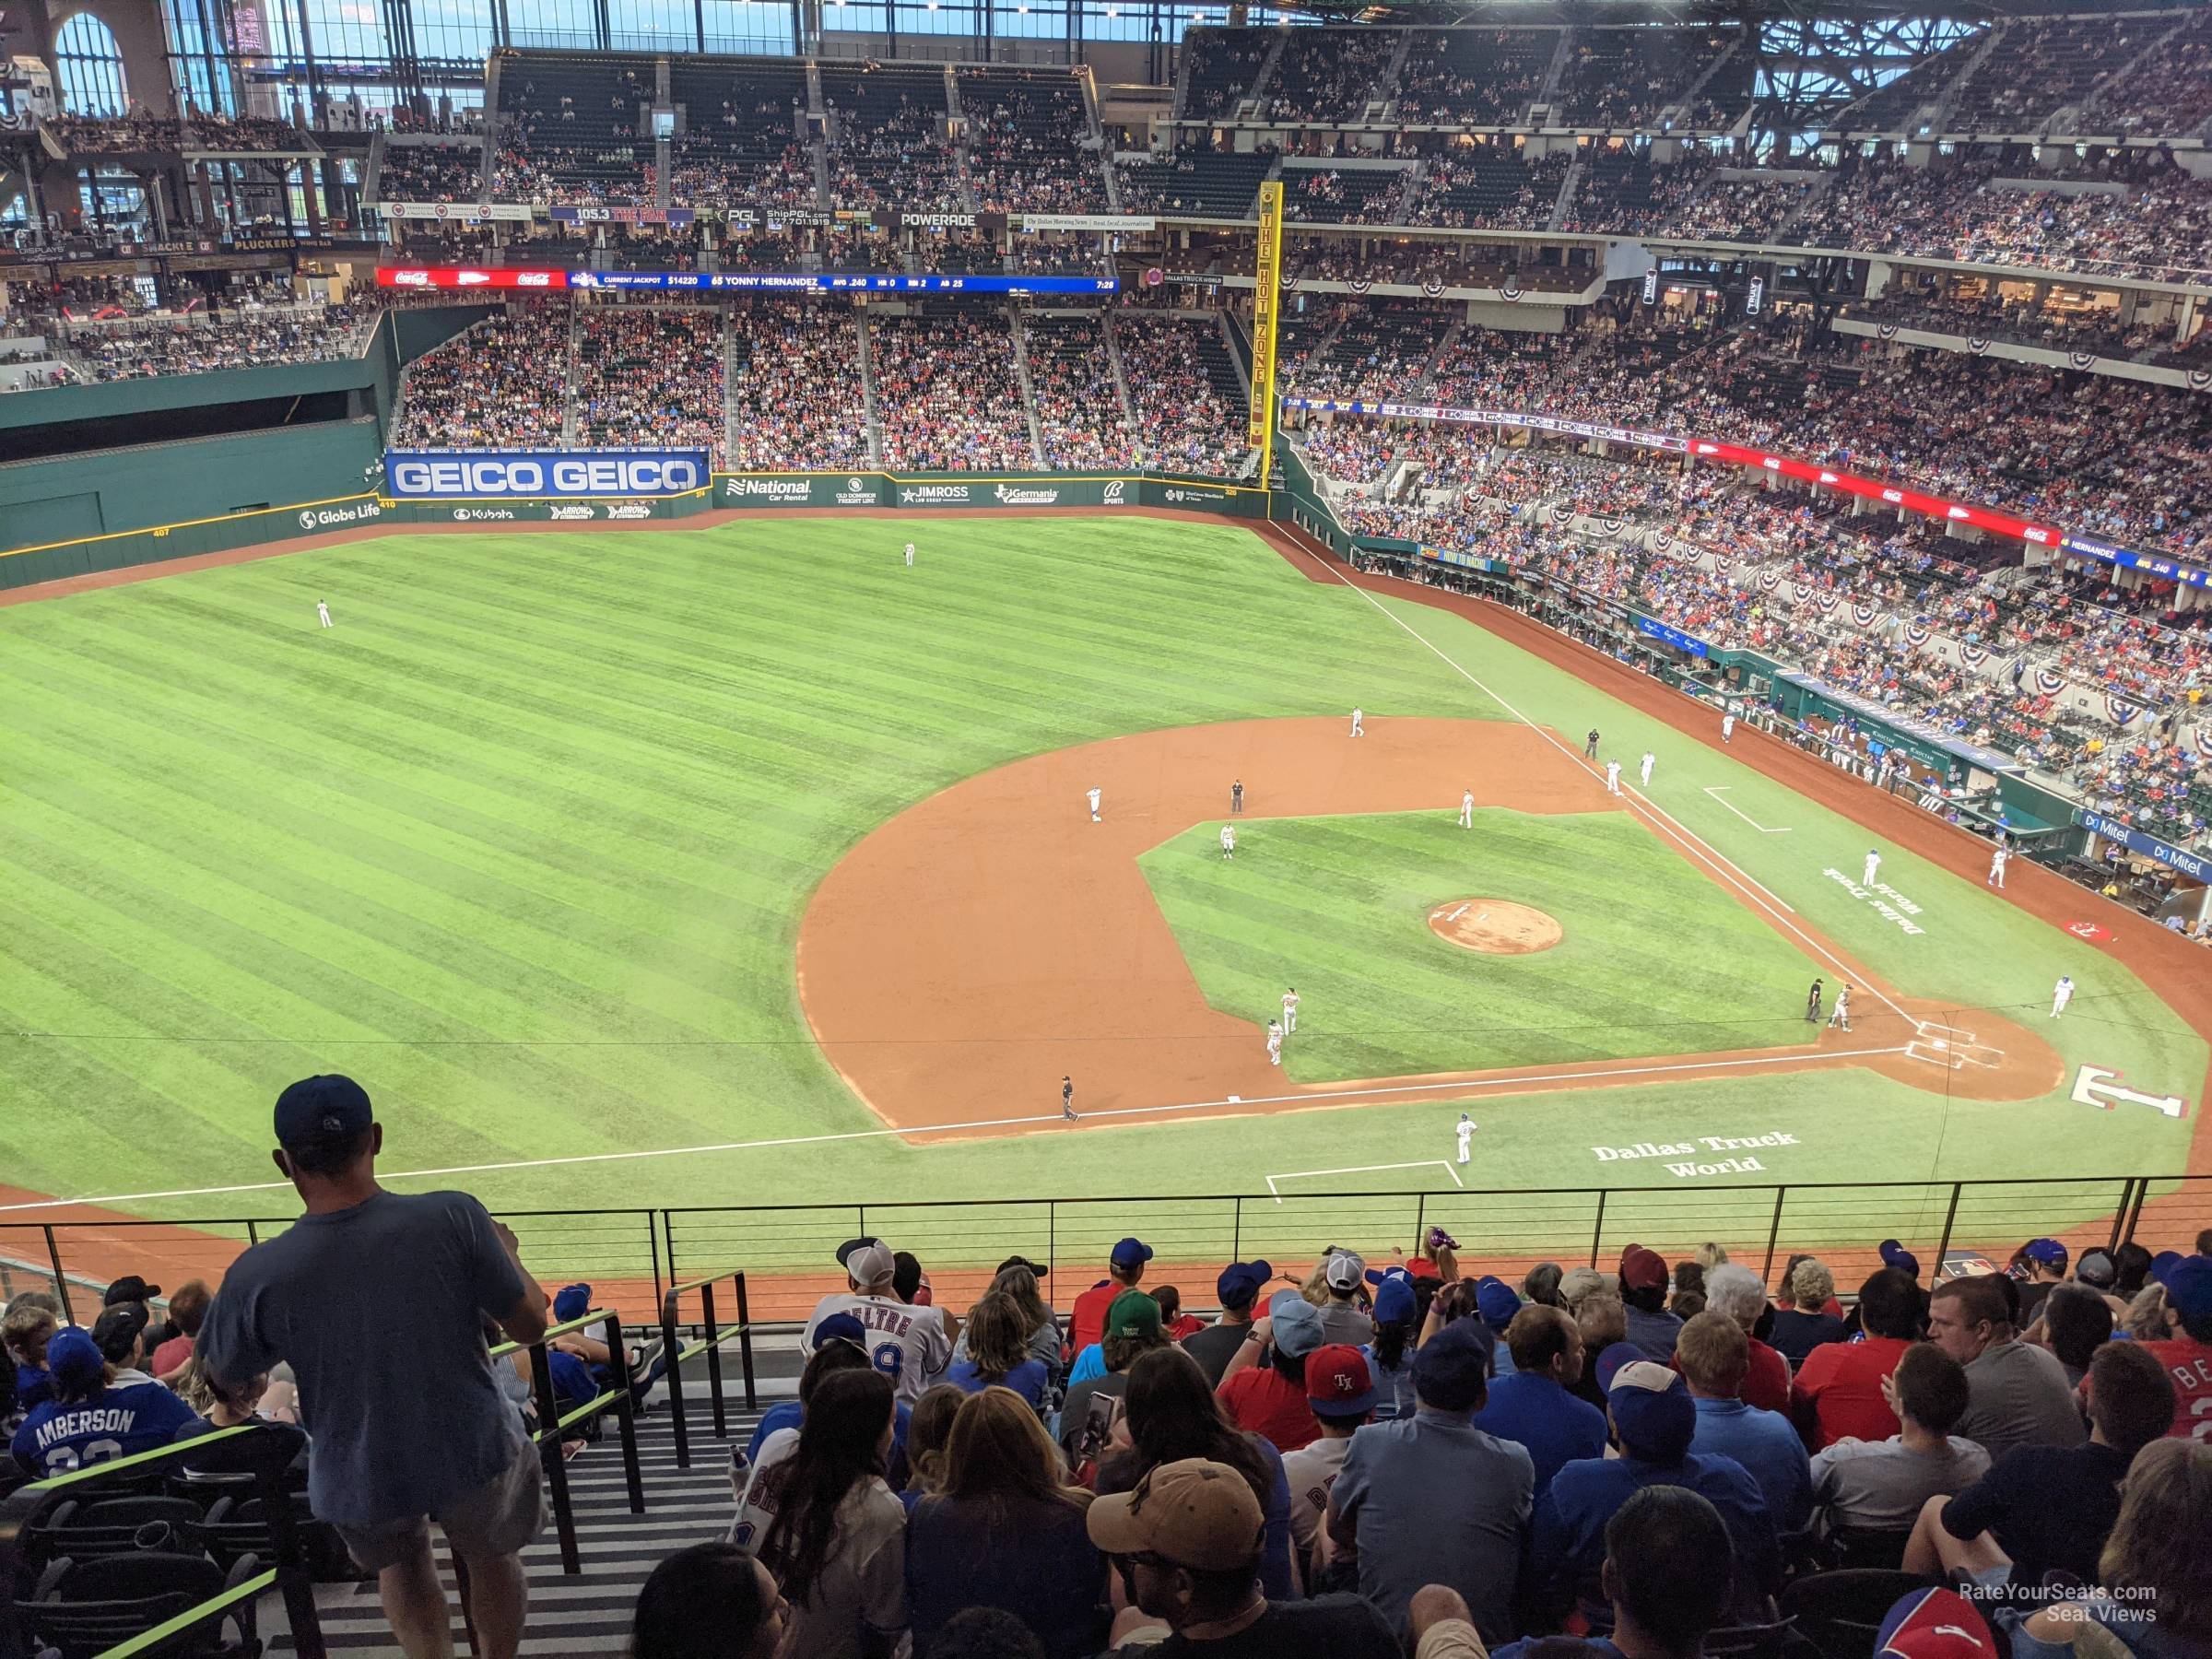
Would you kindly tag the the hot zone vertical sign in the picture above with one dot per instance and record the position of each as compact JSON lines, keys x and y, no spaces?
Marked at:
{"x":1266,"y":289}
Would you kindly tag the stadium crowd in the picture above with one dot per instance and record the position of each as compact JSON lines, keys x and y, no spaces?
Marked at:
{"x":1651,"y":1460}
{"x":794,"y":396}
{"x":949,"y":396}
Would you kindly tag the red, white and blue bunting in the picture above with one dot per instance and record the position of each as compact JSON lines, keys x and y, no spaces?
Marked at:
{"x":1972,"y":655}
{"x":1768,"y":581}
{"x":2121,"y":712}
{"x":1863,"y":614}
{"x":1915,"y":634}
{"x":2050,"y":682}
{"x":1827,"y":602}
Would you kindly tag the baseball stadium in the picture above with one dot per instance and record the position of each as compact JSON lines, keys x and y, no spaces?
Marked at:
{"x":1427,"y":655}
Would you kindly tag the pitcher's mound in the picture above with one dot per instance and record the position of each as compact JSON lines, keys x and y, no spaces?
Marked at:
{"x":1498,"y":926}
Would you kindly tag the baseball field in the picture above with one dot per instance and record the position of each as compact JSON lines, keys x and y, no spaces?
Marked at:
{"x":748,"y":865}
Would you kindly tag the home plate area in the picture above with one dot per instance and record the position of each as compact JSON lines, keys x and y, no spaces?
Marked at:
{"x":1950,"y":1047}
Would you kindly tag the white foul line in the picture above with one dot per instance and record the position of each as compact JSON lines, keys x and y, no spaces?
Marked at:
{"x":1729,"y":869}
{"x":1715,"y":790}
{"x":1441,"y":1088}
{"x":1366,"y":1169}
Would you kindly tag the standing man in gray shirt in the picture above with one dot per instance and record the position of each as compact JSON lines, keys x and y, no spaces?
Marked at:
{"x":2017,"y":1394}
{"x":377,"y":1300}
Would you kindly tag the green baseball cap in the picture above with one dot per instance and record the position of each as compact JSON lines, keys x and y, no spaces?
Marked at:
{"x":1133,"y":1313}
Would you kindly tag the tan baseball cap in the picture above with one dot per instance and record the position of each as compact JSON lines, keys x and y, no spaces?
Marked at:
{"x":1195,"y":1513}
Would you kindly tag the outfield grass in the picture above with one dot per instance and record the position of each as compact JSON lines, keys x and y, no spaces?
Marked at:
{"x":523,"y":841}
{"x":1339,"y":907}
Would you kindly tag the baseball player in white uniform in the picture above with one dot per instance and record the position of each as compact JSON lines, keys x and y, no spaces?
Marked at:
{"x":1358,"y":730}
{"x":1644,"y":772}
{"x":1275,"y":1043}
{"x":1997,"y":869}
{"x":1874,"y":863}
{"x":1229,"y":840}
{"x":322,"y":613}
{"x":1613,"y":777}
{"x":1728,"y":727}
{"x":2061,"y":995}
{"x":1466,"y":1138}
{"x":1290,"y":1011}
{"x":1466,"y":809}
{"x":910,"y":556}
{"x":1093,"y":792}
{"x":1842,"y":1016}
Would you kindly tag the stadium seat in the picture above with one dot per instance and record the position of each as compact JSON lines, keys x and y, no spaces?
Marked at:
{"x":89,"y":1528}
{"x":1840,"y":1612}
{"x":83,"y":1608}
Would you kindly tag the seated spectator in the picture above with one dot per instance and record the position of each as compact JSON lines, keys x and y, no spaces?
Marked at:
{"x":1839,"y":1392}
{"x":1431,"y":1498}
{"x":1188,"y":1545}
{"x":2154,"y":1598}
{"x":26,"y":1330}
{"x":2043,"y":1507}
{"x":1239,"y":1289}
{"x":2038,"y":1265}
{"x":2019,"y":1393}
{"x":220,"y":1407}
{"x":1643,"y":1283}
{"x":1807,"y":1323}
{"x":909,"y":1344}
{"x":1667,"y":1573}
{"x":834,"y":1534}
{"x":1093,"y":1408}
{"x":1344,"y":1276}
{"x":1003,"y":1530}
{"x":1124,"y":1271}
{"x":100,"y":1406}
{"x":2186,"y":1351}
{"x":1602,"y":1318}
{"x":1653,"y":1420}
{"x":841,"y":1345}
{"x":1496,"y":1304}
{"x":1736,"y":1292}
{"x":1172,"y":1319}
{"x":187,"y":1312}
{"x":1341,"y":1390}
{"x":1713,"y":1355}
{"x":1390,"y":1355}
{"x":1265,"y":1387}
{"x":1880,"y":1486}
{"x":2074,"y":1324}
{"x":1532,"y":1406}
{"x":998,"y":1352}
{"x":1172,"y":1415}
{"x":712,"y":1601}
{"x":928,"y":1431}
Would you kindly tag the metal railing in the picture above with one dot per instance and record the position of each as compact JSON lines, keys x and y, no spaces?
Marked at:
{"x":268,"y":1454}
{"x":711,"y":1337}
{"x":553,"y":1424}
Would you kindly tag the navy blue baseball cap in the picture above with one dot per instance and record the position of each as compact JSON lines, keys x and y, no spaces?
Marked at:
{"x":1610,"y":1361}
{"x":1394,"y":1300}
{"x":1130,"y":1252}
{"x":842,"y":1327}
{"x":1496,"y":1301}
{"x":1242,"y":1282}
{"x":1896,"y":1255}
{"x":1453,"y":1368}
{"x":572,"y":1301}
{"x":321,"y":1108}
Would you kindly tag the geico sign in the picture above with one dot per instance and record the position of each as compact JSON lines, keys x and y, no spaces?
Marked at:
{"x":642,"y":474}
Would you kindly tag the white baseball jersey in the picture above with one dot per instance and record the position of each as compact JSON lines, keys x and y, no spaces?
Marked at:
{"x":908,"y":1344}
{"x":1648,"y":761}
{"x":1467,"y":1133}
{"x":1094,"y":800}
{"x":1613,"y":776}
{"x":1874,"y":863}
{"x":1466,"y":801}
{"x":2061,"y":995}
{"x":1228,"y":838}
{"x":323,"y":611}
{"x":1727,"y":726}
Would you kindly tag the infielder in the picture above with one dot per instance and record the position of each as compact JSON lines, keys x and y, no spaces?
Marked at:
{"x":1275,"y":1043}
{"x":1093,"y":792}
{"x":1290,"y":1010}
{"x":910,"y":556}
{"x":1229,"y":840}
{"x":1728,"y":727}
{"x":1466,"y":809}
{"x":1067,"y":1099}
{"x":322,"y":613}
{"x":1842,"y":1016}
{"x":1997,"y":869}
{"x":1874,"y":863}
{"x":1613,"y":777}
{"x":1358,"y":730}
{"x":2061,"y":995}
{"x":1650,"y":761}
{"x":1466,"y":1136}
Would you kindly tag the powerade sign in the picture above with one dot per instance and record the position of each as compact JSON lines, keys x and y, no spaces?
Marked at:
{"x":511,"y":474}
{"x":2189,"y":863}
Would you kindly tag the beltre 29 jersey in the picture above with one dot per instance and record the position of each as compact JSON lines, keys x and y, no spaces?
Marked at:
{"x":908,"y":1344}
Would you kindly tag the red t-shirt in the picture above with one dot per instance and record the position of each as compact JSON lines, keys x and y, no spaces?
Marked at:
{"x":170,"y":1355}
{"x":1767,"y":1383}
{"x":1269,"y":1405}
{"x":2189,"y":1363}
{"x":1839,"y":1391}
{"x":1086,"y":1319}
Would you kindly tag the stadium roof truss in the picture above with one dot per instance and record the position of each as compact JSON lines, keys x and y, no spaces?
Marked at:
{"x":1811,"y":67}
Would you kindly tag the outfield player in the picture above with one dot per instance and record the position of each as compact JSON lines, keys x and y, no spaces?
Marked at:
{"x":322,"y":613}
{"x":1650,"y":761}
{"x":1466,"y":1136}
{"x":1358,"y":730}
{"x":1290,"y":1011}
{"x":2061,"y":995}
{"x":1842,"y":1016}
{"x":1613,"y":777}
{"x":1874,"y":863}
{"x":1728,"y":726}
{"x":1067,"y":1099}
{"x":1812,"y":1004}
{"x":1998,"y":858}
{"x":1093,"y":792}
{"x":910,"y":556}
{"x":1466,"y":809}
{"x":1229,"y":840}
{"x":1275,"y":1043}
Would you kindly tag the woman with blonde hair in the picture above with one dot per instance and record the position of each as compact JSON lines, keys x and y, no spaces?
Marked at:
{"x":2145,"y":1320}
{"x":1603,"y":1319}
{"x":1006,"y":1530}
{"x":928,"y":1433}
{"x":1806,"y":1324}
{"x":998,"y":1352}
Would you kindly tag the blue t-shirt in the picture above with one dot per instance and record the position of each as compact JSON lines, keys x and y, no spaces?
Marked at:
{"x":1767,"y":1445}
{"x":1035,"y":1560}
{"x":134,"y":1414}
{"x":1029,"y":1378}
{"x":1532,"y":1410}
{"x":32,"y":1386}
{"x":379,"y":1310}
{"x":1569,"y":1538}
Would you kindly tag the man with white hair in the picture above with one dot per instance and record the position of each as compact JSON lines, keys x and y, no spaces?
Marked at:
{"x":1736,"y":1292}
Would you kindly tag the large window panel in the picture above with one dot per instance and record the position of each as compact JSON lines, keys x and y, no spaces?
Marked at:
{"x":552,"y":23}
{"x":91,"y":66}
{"x":652,"y":25}
{"x":940,"y":17}
{"x":454,"y":28}
{"x":750,"y":26}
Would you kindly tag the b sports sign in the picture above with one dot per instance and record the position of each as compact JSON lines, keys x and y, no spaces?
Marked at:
{"x":513,"y":474}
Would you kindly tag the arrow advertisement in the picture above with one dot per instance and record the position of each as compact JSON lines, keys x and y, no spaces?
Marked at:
{"x":2094,"y":1086}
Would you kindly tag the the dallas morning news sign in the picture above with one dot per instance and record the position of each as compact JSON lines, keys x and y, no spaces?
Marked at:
{"x":512,"y":475}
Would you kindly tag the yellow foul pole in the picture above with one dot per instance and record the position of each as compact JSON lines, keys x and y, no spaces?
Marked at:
{"x":1266,"y":291}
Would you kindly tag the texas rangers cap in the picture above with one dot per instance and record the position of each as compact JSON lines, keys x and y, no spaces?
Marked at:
{"x":1130,"y":1252}
{"x":1934,"y":1624}
{"x":1338,"y":1382}
{"x":1496,"y":1301}
{"x":572,"y":1301}
{"x":1652,"y":1413}
{"x":1608,"y":1362}
{"x":1896,"y":1255}
{"x":1240,"y":1282}
{"x":1641,"y":1269}
{"x":840,"y":1328}
{"x":1453,"y":1368}
{"x":2048,"y":1253}
{"x":321,"y":1108}
{"x":1394,"y":1301}
{"x":2189,"y":1289}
